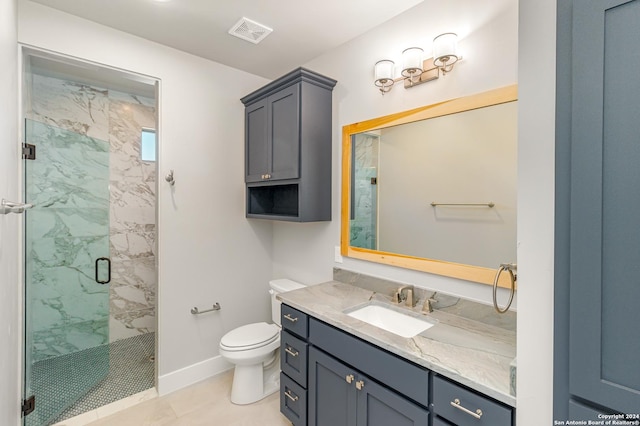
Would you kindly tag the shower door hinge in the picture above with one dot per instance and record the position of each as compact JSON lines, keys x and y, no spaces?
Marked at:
{"x":28,"y":405}
{"x":28,"y":151}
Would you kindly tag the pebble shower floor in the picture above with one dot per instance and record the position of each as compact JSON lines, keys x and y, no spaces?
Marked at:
{"x":131,"y":370}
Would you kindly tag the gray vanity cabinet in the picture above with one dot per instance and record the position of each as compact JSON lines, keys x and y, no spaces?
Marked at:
{"x":340,"y":395}
{"x":288,"y":148}
{"x":332,"y":378}
{"x":293,"y":363}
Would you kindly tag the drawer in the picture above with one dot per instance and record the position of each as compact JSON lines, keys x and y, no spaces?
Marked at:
{"x":438,"y":421}
{"x":293,"y":401}
{"x":293,"y":357}
{"x":294,"y":321}
{"x":463,"y":406}
{"x":397,"y":373}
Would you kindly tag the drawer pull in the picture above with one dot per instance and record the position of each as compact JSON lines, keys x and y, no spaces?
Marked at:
{"x":456,"y":403}
{"x":288,"y":394}
{"x":290,"y":351}
{"x":359,"y":384}
{"x":349,"y":378}
{"x":290,"y":318}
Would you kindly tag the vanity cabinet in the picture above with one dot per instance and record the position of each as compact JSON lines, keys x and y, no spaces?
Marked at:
{"x":288,"y":148}
{"x":332,"y":378}
{"x":340,"y":395}
{"x":293,"y":363}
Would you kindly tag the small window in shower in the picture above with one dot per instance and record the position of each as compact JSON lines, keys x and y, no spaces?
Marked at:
{"x":148,"y":145}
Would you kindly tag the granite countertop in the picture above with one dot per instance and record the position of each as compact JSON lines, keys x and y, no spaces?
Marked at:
{"x":469,"y":351}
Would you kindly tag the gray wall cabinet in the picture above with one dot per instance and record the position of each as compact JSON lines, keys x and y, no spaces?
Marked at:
{"x":288,"y":148}
{"x":350,"y":382}
{"x":597,"y":283}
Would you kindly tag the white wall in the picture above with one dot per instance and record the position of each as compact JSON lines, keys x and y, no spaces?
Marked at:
{"x":488,"y":41}
{"x":493,"y":58}
{"x":10,"y":324}
{"x":208,"y":252}
{"x":536,"y":180}
{"x":460,"y":158}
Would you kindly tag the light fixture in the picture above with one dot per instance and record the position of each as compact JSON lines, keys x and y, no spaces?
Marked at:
{"x":412,"y":62}
{"x":415,"y":69}
{"x":383,"y":72}
{"x":445,"y":51}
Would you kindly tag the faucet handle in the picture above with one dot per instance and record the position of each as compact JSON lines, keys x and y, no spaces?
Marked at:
{"x":427,"y":308}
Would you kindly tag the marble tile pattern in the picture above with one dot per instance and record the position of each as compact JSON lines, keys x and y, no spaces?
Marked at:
{"x":90,"y":202}
{"x":471,"y":352}
{"x":363,"y":226}
{"x":133,"y":218}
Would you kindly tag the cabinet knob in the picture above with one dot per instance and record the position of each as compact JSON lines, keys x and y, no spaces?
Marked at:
{"x":349,"y":378}
{"x":359,"y":384}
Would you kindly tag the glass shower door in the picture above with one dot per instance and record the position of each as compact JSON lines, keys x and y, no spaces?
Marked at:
{"x":67,"y":268}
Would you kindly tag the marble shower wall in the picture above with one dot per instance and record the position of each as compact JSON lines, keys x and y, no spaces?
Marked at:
{"x":61,"y":251}
{"x":363,"y":225}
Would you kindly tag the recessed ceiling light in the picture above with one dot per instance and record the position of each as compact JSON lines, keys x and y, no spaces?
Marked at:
{"x":249,"y":30}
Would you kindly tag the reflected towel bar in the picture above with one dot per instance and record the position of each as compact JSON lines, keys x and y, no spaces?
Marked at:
{"x":195,"y":311}
{"x":490,"y":204}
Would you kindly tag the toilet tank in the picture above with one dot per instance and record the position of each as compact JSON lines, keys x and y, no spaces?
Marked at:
{"x":280,"y":286}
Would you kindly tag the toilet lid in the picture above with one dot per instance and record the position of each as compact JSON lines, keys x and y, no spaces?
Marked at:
{"x":256,"y":334}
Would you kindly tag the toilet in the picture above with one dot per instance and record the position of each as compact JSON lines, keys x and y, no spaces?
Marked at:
{"x":254,"y":349}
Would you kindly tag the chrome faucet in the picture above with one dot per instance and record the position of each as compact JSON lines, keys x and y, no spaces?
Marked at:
{"x":399,"y":296}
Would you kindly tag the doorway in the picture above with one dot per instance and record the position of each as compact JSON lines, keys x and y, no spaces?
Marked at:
{"x":90,"y":240}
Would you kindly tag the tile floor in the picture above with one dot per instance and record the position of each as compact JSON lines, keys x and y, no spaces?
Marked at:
{"x":206,"y":403}
{"x":60,"y":384}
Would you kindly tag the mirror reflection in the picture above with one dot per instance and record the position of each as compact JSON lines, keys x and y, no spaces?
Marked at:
{"x":434,"y":189}
{"x":464,"y":164}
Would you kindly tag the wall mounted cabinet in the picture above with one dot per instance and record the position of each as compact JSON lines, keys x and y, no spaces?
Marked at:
{"x":288,"y":148}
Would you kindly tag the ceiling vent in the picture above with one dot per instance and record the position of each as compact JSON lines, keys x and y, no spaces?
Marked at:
{"x":249,"y":30}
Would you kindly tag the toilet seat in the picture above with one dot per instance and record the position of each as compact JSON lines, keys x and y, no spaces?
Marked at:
{"x":250,"y":336}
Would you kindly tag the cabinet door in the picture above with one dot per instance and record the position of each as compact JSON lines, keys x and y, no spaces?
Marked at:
{"x":257,"y":148}
{"x":284,"y":133}
{"x":332,"y":399}
{"x":378,"y":406}
{"x":605,"y":204}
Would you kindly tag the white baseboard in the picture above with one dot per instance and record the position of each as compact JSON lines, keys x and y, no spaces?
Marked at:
{"x":186,"y":376}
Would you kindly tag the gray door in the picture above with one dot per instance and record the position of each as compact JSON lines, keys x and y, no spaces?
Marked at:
{"x":284,"y":125}
{"x":332,"y":392}
{"x":604,"y":237}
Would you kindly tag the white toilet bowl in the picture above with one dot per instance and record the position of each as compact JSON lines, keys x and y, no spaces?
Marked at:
{"x":254,"y":349}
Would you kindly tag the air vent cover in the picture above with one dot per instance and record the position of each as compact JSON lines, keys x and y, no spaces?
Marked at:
{"x":249,"y":30}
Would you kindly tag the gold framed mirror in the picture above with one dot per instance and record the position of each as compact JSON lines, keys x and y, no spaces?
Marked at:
{"x":477,"y":226}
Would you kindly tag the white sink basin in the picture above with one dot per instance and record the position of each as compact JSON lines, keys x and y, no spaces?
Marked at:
{"x":391,"y":320}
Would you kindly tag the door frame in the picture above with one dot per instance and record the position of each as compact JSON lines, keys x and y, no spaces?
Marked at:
{"x":26,"y":51}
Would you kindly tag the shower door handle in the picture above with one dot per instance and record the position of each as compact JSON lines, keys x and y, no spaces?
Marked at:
{"x":106,"y":259}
